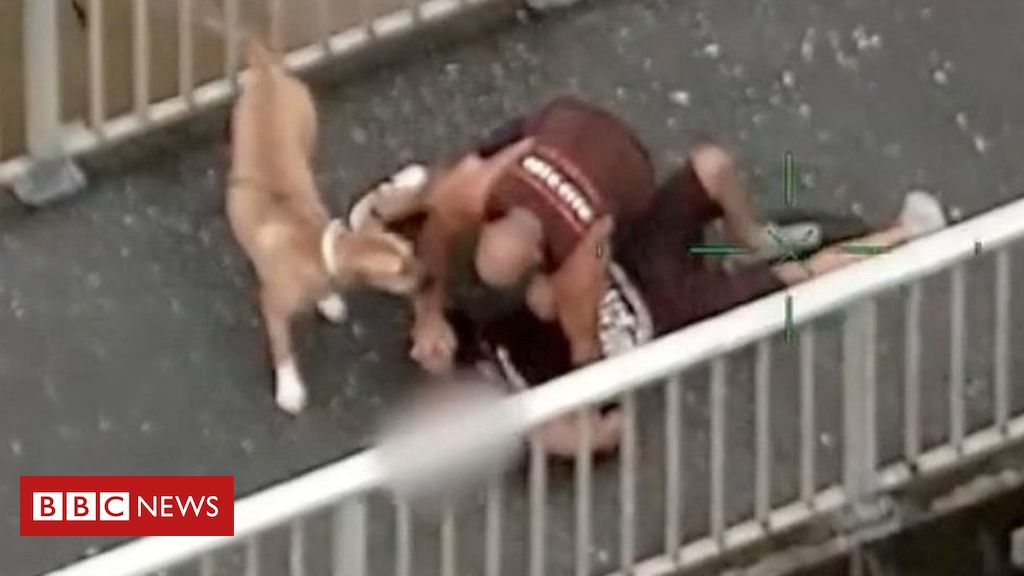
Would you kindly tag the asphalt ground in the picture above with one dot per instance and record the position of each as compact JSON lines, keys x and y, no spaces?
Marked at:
{"x":130,"y":343}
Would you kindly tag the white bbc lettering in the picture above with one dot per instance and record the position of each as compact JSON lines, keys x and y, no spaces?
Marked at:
{"x":211,"y":503}
{"x":166,"y":507}
{"x":80,"y":506}
{"x":47,"y":506}
{"x":564,"y":189}
{"x":145,"y":505}
{"x":114,"y":506}
{"x":177,"y":507}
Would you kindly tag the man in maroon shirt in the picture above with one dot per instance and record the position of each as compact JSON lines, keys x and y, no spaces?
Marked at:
{"x":546,"y":195}
{"x":562,"y":203}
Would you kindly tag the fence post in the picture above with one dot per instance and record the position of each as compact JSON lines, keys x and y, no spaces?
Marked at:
{"x":42,"y":77}
{"x":350,"y":538}
{"x":52,"y":175}
{"x":859,"y":380}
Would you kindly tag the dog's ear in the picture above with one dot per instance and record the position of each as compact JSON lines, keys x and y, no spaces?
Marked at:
{"x":382,"y":262}
{"x":378,"y":258}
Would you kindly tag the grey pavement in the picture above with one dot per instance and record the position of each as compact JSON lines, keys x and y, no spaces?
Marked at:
{"x":129,"y":342}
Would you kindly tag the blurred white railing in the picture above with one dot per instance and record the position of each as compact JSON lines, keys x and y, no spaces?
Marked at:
{"x":42,"y":125}
{"x":347,"y":486}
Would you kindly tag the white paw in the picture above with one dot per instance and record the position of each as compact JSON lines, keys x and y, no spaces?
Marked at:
{"x":333,"y":308}
{"x":291,"y":392}
{"x":412,"y":177}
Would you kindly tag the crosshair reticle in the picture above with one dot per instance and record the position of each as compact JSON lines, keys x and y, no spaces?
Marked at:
{"x":788,"y":252}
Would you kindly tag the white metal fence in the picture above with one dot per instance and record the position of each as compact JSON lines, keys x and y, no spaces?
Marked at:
{"x":645,"y":490}
{"x":73,"y":83}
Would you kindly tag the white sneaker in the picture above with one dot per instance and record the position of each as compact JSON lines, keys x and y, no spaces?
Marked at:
{"x":921,"y":214}
{"x":789,"y":241}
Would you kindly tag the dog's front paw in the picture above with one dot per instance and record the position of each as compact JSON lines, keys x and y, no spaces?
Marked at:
{"x":333,"y":308}
{"x":291,"y":392}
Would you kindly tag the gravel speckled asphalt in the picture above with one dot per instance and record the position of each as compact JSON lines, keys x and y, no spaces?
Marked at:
{"x":129,"y":342}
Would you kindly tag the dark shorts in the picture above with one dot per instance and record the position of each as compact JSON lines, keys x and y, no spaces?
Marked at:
{"x":681,"y":288}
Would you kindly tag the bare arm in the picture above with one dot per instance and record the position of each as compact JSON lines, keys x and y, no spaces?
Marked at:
{"x":435,"y":243}
{"x":578,"y":286}
{"x":456,"y":204}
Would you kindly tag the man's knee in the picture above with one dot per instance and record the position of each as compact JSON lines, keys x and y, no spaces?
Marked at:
{"x":714,"y":166}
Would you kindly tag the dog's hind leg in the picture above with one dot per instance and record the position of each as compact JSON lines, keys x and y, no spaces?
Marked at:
{"x":290,"y":391}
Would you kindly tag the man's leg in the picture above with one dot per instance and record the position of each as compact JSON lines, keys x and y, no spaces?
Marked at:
{"x":720,"y":180}
{"x":717,"y":172}
{"x":922,"y":214}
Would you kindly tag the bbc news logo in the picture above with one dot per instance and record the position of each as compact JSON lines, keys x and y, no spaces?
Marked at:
{"x":127,"y":506}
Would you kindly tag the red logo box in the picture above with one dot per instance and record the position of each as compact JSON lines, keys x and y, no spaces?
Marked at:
{"x":127,"y":506}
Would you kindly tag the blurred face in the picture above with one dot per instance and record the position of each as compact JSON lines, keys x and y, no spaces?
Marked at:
{"x":508,"y":248}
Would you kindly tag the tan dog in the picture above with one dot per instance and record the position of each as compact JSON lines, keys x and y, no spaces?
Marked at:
{"x":301,"y":256}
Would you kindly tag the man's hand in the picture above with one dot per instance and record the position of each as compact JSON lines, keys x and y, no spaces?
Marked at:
{"x":462,"y":191}
{"x":455,"y":204}
{"x":578,"y":286}
{"x":434,"y":345}
{"x":540,"y":298}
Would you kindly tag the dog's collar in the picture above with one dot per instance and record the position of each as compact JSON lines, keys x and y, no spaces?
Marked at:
{"x":327,"y":249}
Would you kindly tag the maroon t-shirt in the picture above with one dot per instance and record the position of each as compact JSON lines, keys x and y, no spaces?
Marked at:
{"x":586,"y":163}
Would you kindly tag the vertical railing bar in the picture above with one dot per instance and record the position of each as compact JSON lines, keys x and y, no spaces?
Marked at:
{"x":324,"y":9}
{"x":231,"y":41}
{"x":97,"y":72}
{"x":538,"y":505}
{"x":207,"y":565}
{"x":297,"y":548}
{"x":141,"y":57}
{"x":2,"y":157}
{"x":718,"y":521}
{"x":627,"y":486}
{"x":912,"y":375}
{"x":416,"y":8}
{"x":584,"y":480}
{"x":871,"y":391}
{"x":449,"y":562}
{"x":762,"y":383}
{"x":252,"y":556}
{"x":41,"y":46}
{"x":859,"y":382}
{"x":1001,"y":358}
{"x":366,"y":18}
{"x":186,"y":52}
{"x":807,"y":416}
{"x":673,"y":466}
{"x":493,"y":555}
{"x":350,"y":518}
{"x":403,"y":547}
{"x":956,"y":367}
{"x":276,"y":33}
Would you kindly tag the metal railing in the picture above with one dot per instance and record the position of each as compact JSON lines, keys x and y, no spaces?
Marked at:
{"x":652,"y":523}
{"x":134,"y":65}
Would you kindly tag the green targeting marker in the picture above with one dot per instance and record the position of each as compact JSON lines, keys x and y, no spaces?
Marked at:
{"x":789,"y":179}
{"x":717,"y":249}
{"x":864,"y":250}
{"x":789,"y":318}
